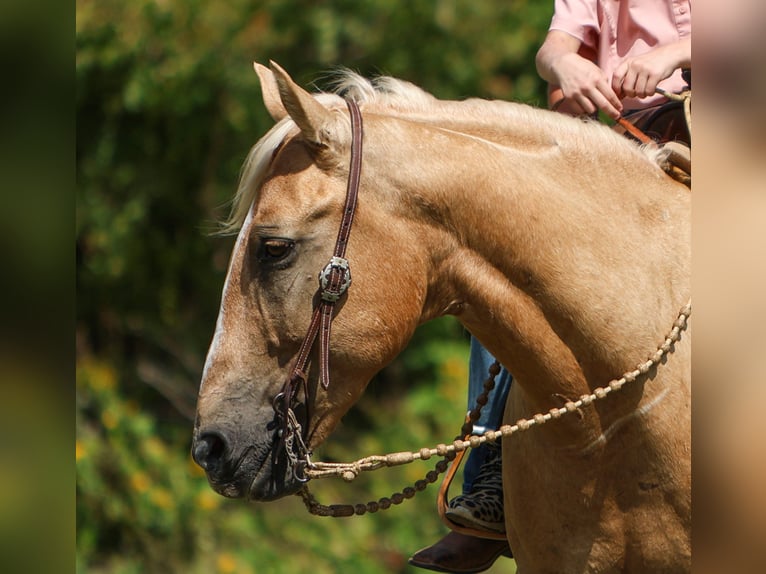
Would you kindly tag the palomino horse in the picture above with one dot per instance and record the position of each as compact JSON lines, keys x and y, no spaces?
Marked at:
{"x":560,"y":245}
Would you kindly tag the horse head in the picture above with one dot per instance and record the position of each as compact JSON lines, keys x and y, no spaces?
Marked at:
{"x":290,"y":201}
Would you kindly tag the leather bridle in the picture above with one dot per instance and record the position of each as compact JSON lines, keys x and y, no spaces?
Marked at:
{"x":334,"y":280}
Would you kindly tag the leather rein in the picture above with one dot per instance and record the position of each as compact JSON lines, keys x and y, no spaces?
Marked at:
{"x":334,"y":281}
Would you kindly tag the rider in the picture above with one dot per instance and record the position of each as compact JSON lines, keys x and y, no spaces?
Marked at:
{"x":608,"y":56}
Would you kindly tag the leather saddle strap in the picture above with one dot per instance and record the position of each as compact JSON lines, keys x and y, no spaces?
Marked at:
{"x":634,"y":131}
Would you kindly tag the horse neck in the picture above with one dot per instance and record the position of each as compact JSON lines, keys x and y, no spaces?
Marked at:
{"x":568,"y":271}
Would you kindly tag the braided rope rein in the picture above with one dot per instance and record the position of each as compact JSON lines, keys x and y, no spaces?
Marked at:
{"x":349,"y":471}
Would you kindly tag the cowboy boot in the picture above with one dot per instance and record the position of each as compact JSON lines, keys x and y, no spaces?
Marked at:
{"x":461,"y":554}
{"x":481,"y":509}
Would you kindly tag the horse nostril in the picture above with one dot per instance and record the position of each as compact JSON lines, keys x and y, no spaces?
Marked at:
{"x":208,"y":450}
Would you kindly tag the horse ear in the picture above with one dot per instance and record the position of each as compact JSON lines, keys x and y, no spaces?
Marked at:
{"x":270,"y":92}
{"x":314,"y":120}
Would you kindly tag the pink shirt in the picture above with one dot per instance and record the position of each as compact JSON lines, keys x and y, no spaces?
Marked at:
{"x":611,"y":30}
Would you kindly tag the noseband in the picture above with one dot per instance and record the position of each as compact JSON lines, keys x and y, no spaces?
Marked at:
{"x":334,"y":280}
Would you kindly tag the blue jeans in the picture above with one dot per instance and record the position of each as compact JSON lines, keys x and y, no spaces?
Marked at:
{"x":492,"y":414}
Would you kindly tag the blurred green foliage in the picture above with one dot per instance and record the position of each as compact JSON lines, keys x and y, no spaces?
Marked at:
{"x":167,"y":108}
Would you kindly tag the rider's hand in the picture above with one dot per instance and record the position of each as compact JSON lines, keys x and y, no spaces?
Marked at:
{"x":584,"y":83}
{"x":638,"y":77}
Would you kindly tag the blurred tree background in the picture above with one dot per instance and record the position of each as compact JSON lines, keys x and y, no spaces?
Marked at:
{"x":167,"y":109}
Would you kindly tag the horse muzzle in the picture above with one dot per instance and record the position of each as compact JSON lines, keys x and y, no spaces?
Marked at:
{"x":238,"y":468}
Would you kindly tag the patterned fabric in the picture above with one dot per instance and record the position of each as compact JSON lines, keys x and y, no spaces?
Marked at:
{"x":482,"y":507}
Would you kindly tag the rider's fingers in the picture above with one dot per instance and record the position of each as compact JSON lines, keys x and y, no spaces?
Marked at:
{"x":607,"y":100}
{"x":585,"y":103}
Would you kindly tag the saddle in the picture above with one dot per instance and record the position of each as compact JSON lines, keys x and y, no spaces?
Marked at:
{"x":668,"y":125}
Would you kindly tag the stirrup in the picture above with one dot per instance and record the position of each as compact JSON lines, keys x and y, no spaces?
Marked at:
{"x":442,"y":504}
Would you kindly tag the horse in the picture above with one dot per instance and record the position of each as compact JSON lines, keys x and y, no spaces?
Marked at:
{"x":561,"y":246}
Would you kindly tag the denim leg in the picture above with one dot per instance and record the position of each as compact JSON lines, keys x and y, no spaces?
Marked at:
{"x":492,"y":414}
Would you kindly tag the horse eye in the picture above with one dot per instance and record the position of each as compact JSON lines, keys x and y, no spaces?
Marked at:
{"x":276,"y":249}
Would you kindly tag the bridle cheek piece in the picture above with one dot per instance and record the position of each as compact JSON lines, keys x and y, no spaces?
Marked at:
{"x":334,"y":281}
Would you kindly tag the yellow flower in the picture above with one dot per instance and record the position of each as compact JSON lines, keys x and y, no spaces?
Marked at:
{"x":161,"y":497}
{"x":79,"y":450}
{"x":226,"y":564}
{"x":154,"y":447}
{"x":454,"y":368}
{"x":208,"y":500}
{"x":140,"y":482}
{"x":101,"y":376}
{"x":109,"y":419}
